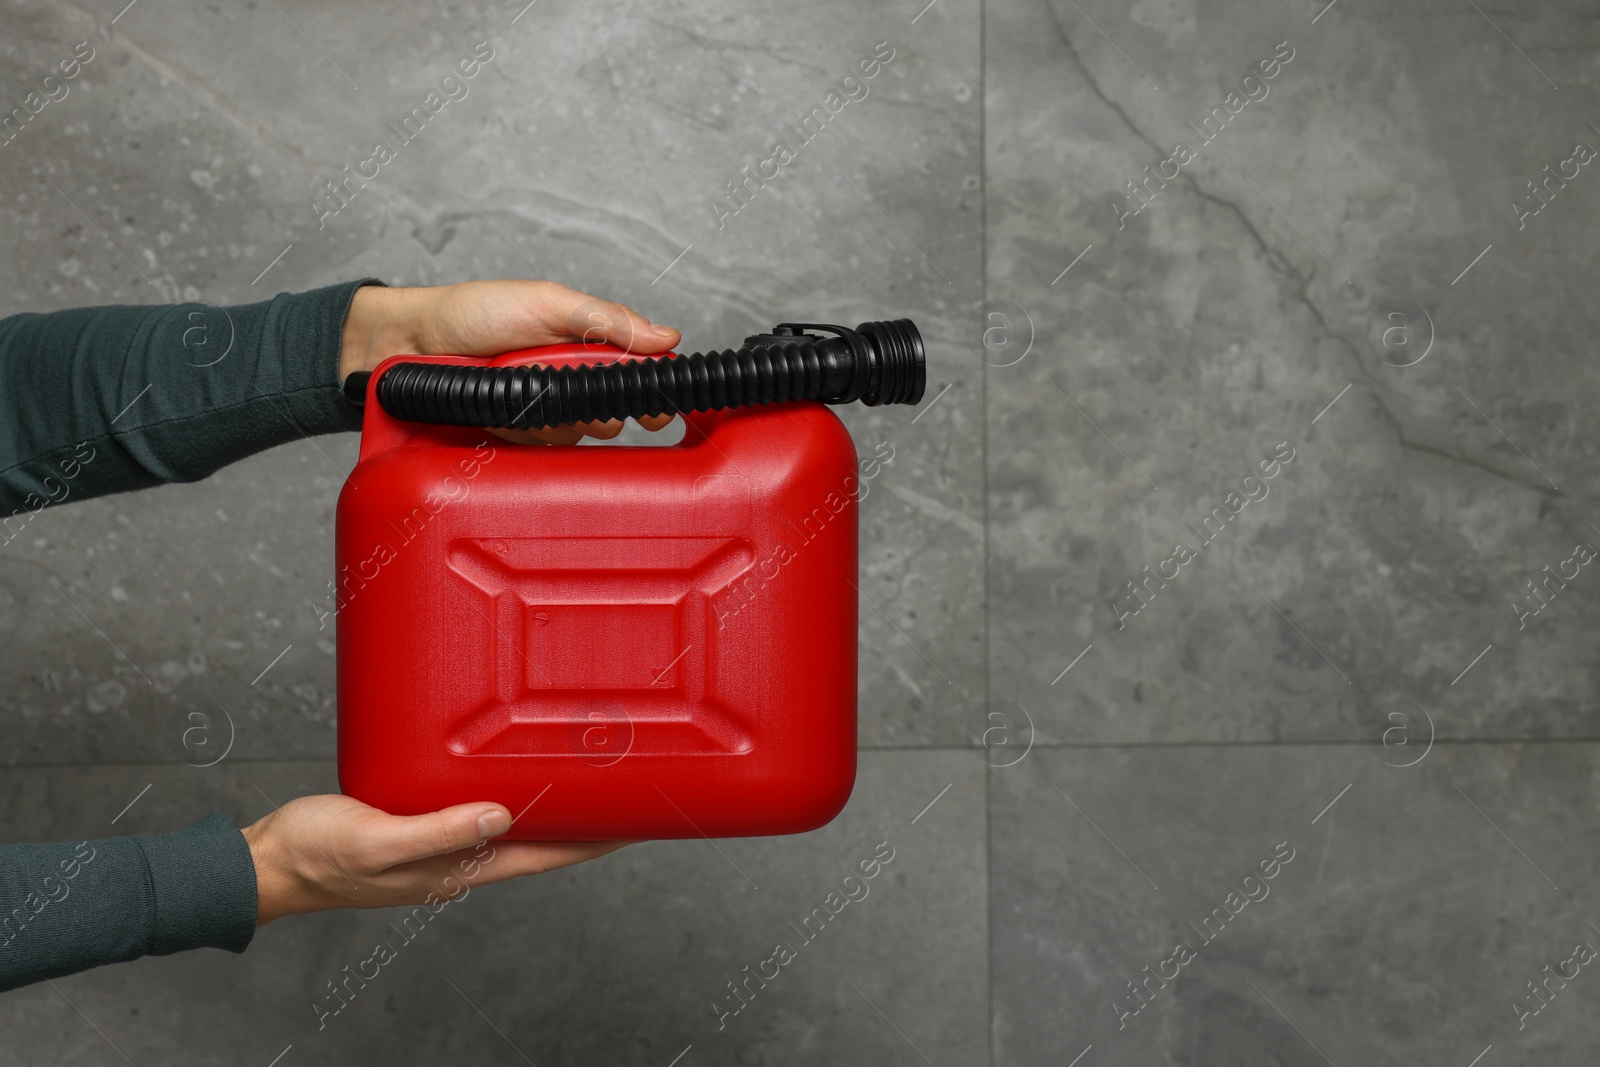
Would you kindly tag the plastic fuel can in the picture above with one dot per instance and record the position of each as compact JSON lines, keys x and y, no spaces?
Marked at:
{"x":615,"y":642}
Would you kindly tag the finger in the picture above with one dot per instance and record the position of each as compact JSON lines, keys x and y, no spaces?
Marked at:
{"x":546,"y":435}
{"x":396,"y":839}
{"x":518,"y":437}
{"x":572,"y":434}
{"x":518,"y":859}
{"x":501,"y":861}
{"x":593,"y":320}
{"x":558,"y":435}
{"x":605,"y":431}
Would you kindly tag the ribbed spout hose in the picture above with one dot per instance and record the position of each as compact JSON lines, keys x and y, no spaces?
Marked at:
{"x":876,"y":363}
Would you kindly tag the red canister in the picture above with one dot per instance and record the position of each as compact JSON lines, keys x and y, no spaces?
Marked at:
{"x":615,"y":642}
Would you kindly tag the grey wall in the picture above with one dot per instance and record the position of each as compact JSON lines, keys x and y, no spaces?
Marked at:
{"x":1339,"y":674}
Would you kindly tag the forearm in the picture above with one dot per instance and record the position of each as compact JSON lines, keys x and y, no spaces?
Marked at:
{"x":108,"y":399}
{"x":66,"y":907}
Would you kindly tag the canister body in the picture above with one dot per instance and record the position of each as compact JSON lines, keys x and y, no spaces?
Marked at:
{"x":615,"y":642}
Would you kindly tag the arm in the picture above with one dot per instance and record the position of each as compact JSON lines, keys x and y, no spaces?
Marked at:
{"x":108,"y":399}
{"x":66,"y":907}
{"x":70,"y":906}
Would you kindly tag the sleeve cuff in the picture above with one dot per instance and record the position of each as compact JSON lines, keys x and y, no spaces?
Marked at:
{"x":309,"y":336}
{"x":204,"y":883}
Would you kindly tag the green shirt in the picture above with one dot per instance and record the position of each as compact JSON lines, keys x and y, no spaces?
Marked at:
{"x":104,"y":400}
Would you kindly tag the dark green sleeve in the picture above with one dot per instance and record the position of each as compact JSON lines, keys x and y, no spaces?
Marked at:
{"x":106,"y":399}
{"x":70,"y":906}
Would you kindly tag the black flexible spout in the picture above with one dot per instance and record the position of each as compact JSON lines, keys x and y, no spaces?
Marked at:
{"x":876,"y":363}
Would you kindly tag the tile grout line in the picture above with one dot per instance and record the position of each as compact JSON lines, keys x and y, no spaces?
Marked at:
{"x":983,"y":476}
{"x":1047,"y":746}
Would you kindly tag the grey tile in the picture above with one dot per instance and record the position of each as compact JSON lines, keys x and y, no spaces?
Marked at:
{"x":624,"y":960}
{"x":1222,"y":319}
{"x":130,"y":615}
{"x":1405,"y":925}
{"x":179,"y":597}
{"x":198,"y":142}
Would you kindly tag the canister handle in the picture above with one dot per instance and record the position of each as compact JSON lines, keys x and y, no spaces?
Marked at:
{"x":876,"y":363}
{"x":381,"y":430}
{"x":700,"y":425}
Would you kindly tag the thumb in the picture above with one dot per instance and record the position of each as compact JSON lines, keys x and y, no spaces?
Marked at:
{"x":403,"y":838}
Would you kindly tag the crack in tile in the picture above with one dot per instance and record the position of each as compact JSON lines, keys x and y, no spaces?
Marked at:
{"x":1277,"y":262}
{"x":940,"y":513}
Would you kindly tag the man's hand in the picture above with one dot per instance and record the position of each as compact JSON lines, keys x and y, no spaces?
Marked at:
{"x":486,"y":318}
{"x":325,"y":852}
